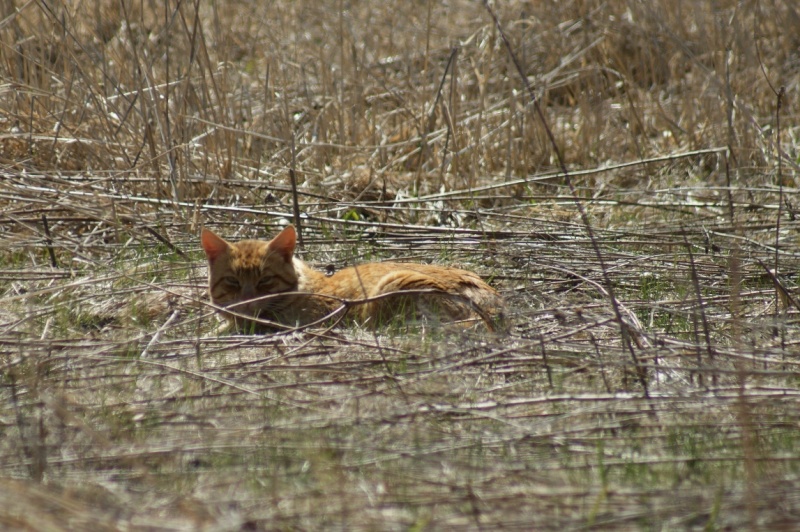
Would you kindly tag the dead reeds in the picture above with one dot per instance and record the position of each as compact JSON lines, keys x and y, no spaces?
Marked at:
{"x":649,"y":376}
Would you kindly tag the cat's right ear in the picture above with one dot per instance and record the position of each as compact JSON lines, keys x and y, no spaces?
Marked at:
{"x":284,"y":243}
{"x":213,"y":245}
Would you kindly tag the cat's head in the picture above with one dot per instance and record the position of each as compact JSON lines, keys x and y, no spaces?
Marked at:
{"x":239,"y":273}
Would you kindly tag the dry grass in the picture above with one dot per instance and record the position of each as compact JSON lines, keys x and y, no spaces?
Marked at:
{"x":650,"y":377}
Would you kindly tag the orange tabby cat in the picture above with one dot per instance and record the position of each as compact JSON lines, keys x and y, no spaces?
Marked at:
{"x":266,"y":281}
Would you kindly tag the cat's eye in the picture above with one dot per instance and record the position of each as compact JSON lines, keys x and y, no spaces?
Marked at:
{"x":232,"y":282}
{"x":265,"y":281}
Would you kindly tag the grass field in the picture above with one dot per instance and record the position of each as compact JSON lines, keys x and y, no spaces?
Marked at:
{"x":625,"y":173}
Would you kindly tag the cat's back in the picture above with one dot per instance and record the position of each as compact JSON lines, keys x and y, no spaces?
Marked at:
{"x":473,"y":297}
{"x":375,"y":278}
{"x":371,"y":273}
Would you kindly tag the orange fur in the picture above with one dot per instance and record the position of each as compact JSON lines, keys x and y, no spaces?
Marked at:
{"x":264,"y":279}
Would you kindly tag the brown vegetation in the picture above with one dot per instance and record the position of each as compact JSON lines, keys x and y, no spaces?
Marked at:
{"x":650,"y":377}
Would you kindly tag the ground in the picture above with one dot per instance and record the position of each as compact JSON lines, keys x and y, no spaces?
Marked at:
{"x":625,"y":174}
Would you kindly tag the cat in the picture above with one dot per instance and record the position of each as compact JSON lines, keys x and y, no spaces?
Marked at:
{"x":264,"y":280}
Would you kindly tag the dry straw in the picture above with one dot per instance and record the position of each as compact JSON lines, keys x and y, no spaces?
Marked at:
{"x":625,"y":173}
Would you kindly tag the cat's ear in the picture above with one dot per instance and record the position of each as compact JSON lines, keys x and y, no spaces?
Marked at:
{"x":284,"y":243}
{"x":213,"y":245}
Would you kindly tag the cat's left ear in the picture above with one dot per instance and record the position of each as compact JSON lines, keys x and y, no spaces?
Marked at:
{"x":213,"y":245}
{"x":284,"y":243}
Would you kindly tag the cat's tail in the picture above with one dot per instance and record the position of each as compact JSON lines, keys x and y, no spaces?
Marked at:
{"x":488,"y":306}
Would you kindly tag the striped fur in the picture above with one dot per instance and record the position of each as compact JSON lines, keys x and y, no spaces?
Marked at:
{"x":255,"y":278}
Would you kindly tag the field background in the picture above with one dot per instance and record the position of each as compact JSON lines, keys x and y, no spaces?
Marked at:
{"x":650,"y":378}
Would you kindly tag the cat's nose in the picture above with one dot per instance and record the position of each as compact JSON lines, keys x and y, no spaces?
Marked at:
{"x":249,"y":293}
